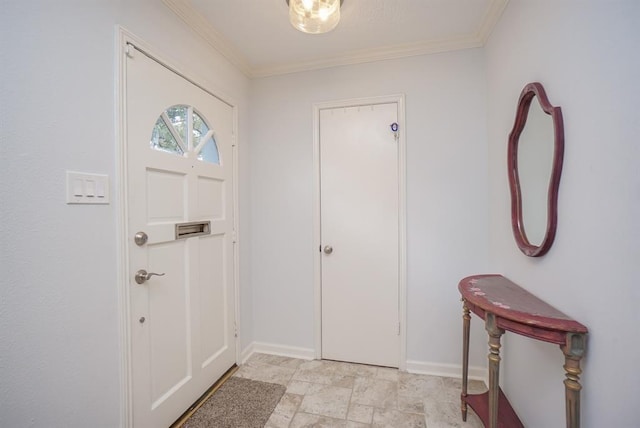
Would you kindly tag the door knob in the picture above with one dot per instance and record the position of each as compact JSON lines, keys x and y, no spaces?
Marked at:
{"x":143,"y":276}
{"x":328,"y":249}
{"x":140,"y":238}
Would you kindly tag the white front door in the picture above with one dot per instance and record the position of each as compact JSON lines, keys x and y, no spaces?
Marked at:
{"x":359,"y":200}
{"x":179,"y":193}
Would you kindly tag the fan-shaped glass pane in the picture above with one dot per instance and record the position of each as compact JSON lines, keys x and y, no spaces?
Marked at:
{"x":171,"y":134}
{"x":209,"y":152}
{"x":162,"y":139}
{"x":178,"y":116}
{"x":200,"y":129}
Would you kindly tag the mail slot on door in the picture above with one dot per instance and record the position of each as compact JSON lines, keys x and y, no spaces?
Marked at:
{"x":196,"y":228}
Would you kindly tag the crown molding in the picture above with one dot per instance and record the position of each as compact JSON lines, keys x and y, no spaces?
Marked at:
{"x":194,"y":20}
{"x":185,"y":11}
{"x":491,"y":18}
{"x":370,"y":55}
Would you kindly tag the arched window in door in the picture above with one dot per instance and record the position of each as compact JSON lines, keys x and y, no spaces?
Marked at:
{"x":181,"y":130}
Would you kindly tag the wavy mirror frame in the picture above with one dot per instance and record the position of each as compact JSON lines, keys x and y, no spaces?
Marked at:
{"x":531,"y":91}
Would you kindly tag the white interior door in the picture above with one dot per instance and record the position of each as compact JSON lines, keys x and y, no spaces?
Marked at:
{"x":179,"y":187}
{"x":359,"y":199}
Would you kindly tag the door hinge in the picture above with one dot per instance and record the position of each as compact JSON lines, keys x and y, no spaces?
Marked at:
{"x":398,"y":329}
{"x":235,"y":331}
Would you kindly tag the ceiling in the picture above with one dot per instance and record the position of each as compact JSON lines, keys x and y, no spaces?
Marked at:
{"x":256,"y":36}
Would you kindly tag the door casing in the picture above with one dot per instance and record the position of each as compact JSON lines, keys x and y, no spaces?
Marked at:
{"x":124,"y":37}
{"x":402,"y":235}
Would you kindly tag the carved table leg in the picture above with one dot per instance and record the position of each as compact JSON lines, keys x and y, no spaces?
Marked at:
{"x":573,"y":351}
{"x":491,"y":325}
{"x":466,"y":321}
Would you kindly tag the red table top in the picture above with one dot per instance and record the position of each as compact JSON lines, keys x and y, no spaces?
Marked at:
{"x":498,"y":295}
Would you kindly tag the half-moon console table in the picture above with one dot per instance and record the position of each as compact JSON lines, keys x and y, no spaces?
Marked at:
{"x":504,"y":306}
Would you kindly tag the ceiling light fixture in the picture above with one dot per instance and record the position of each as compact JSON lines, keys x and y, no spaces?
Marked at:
{"x":314,"y":16}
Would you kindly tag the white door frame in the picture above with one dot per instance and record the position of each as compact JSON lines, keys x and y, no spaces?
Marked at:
{"x":124,"y":37}
{"x":402,"y":214}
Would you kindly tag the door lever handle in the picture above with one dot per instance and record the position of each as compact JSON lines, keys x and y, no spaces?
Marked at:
{"x":143,"y":276}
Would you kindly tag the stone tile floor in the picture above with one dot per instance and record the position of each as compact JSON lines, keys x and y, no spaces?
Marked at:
{"x":336,"y":394}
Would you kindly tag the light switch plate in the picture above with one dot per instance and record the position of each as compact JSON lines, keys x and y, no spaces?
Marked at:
{"x":87,"y":188}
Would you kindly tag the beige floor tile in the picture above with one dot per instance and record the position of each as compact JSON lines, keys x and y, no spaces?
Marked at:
{"x":316,"y":365}
{"x":276,"y":360}
{"x":440,"y":414}
{"x":288,"y":405}
{"x":350,"y":369}
{"x":419,"y":385}
{"x":276,"y":420}
{"x":323,"y":375}
{"x":360,"y":413}
{"x":298,"y":387}
{"x":447,"y":393}
{"x":305,"y":420}
{"x":353,"y":424}
{"x":335,"y":394}
{"x":326,"y":400}
{"x":375,"y":392}
{"x":266,"y":373}
{"x":411,"y":404}
{"x":474,"y":386}
{"x":387,"y":373}
{"x":392,"y":418}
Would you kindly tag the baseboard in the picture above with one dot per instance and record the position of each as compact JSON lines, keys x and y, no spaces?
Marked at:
{"x":446,"y":370}
{"x":246,"y":354}
{"x":273,"y":349}
{"x":417,"y":367}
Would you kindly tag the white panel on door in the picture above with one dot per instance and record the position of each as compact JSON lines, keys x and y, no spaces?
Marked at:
{"x":211,"y":197}
{"x":169,"y":326}
{"x":212,"y":297}
{"x":165,"y":196}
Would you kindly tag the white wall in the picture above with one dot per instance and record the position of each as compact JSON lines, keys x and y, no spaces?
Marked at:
{"x":447,"y":188}
{"x":586,"y":55}
{"x":59,"y":337}
{"x":59,"y":343}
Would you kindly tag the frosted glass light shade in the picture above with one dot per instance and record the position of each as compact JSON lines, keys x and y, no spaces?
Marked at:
{"x":314,"y":16}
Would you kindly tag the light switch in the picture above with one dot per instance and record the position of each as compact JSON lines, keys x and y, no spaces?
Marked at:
{"x":87,"y":188}
{"x":90,"y":192}
{"x":100,"y":189}
{"x":78,"y":187}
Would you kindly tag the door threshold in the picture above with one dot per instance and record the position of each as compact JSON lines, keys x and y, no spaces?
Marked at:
{"x":361,"y":364}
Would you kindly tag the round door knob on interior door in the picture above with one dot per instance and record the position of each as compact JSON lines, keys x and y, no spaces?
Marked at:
{"x":143,"y":276}
{"x":328,"y":249}
{"x":140,"y":238}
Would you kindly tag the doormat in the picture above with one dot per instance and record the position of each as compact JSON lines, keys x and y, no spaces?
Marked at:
{"x":238,"y":403}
